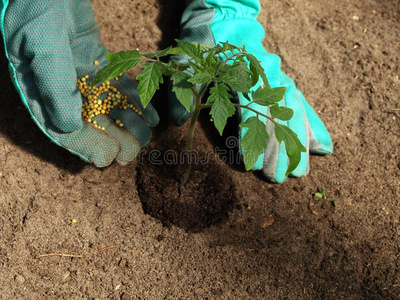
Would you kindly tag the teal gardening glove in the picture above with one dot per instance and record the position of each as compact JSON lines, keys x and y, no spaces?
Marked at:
{"x":49,"y":44}
{"x":210,"y":22}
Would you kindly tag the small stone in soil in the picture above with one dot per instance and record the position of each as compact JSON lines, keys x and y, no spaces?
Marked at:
{"x":217,"y":292}
{"x":19,"y":279}
{"x":199,"y":291}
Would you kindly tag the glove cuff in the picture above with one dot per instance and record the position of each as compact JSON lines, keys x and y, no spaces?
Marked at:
{"x":210,"y":22}
{"x":222,"y":9}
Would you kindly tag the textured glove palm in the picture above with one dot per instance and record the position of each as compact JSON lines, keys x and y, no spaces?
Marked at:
{"x":49,"y":45}
{"x":210,"y":22}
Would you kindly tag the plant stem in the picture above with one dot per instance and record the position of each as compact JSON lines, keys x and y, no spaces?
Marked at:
{"x":232,"y":56}
{"x":242,"y":106}
{"x":190,"y":135}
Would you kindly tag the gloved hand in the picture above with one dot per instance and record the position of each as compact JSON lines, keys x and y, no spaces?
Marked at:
{"x":49,"y":44}
{"x":210,"y":22}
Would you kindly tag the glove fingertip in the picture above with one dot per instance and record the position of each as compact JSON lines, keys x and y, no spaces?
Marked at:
{"x":302,"y":168}
{"x":151,"y":115}
{"x":275,"y":162}
{"x":321,"y":147}
{"x":277,"y":177}
{"x":146,"y":138}
{"x":134,"y":124}
{"x":320,"y":140}
{"x":280,"y":174}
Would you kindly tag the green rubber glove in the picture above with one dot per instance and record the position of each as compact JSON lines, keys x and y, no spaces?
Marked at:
{"x":210,"y":22}
{"x":49,"y":44}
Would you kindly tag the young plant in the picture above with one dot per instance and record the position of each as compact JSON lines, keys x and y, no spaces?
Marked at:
{"x":321,"y":193}
{"x":220,"y":69}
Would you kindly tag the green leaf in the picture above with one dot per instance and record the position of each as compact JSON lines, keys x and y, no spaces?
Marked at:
{"x":254,"y":141}
{"x":168,"y":70}
{"x":176,"y":51}
{"x":178,"y":65}
{"x":159,"y":53}
{"x":172,"y":67}
{"x":322,"y":192}
{"x":182,"y":89}
{"x":246,"y":95}
{"x":149,"y":81}
{"x":109,"y":56}
{"x":268,"y":96}
{"x":191,"y":49}
{"x":119,"y":63}
{"x":211,"y":61}
{"x":256,"y":68}
{"x":225,"y":47}
{"x":292,"y":144}
{"x":237,"y":76}
{"x":222,"y":108}
{"x":255,"y":76}
{"x":201,"y":77}
{"x":280,"y":112}
{"x":195,"y":66}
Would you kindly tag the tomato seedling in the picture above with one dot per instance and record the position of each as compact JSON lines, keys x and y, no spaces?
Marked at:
{"x":220,"y":69}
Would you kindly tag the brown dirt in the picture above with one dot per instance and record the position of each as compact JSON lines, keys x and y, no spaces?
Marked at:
{"x":282,"y":243}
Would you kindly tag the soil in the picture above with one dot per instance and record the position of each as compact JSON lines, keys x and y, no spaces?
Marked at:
{"x":278,"y":241}
{"x":205,"y":199}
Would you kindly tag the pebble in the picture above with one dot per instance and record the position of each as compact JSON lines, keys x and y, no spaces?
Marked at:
{"x":19,"y":278}
{"x":217,"y":292}
{"x":199,"y":291}
{"x":356,"y":18}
